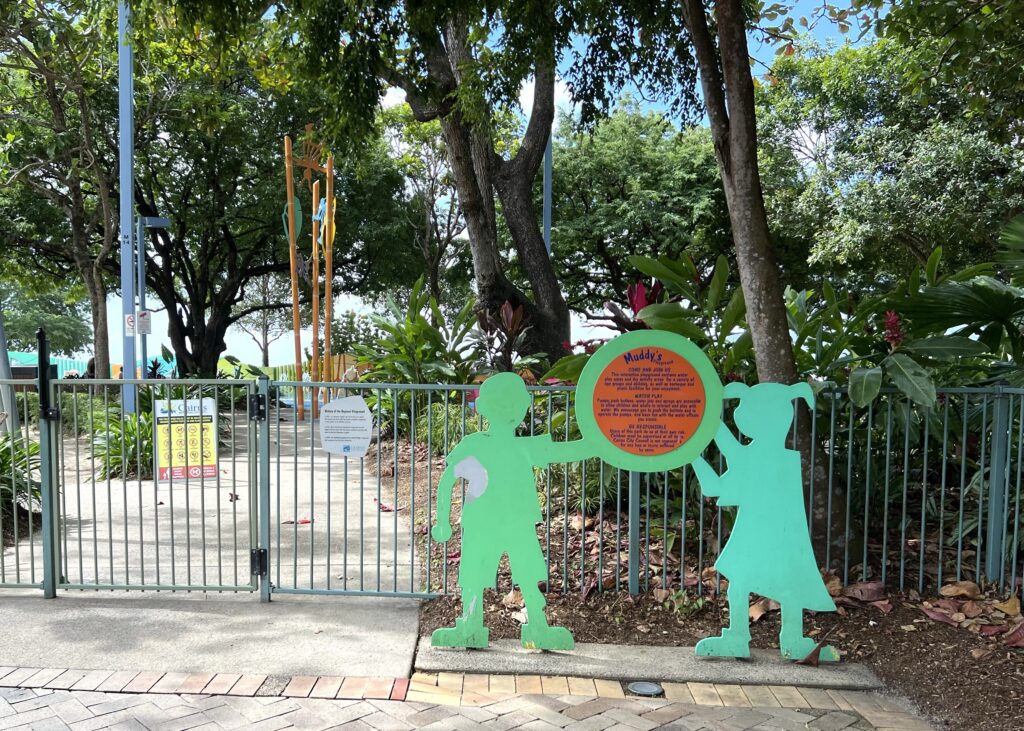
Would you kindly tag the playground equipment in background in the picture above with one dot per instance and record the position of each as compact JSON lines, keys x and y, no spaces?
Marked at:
{"x":322,"y":241}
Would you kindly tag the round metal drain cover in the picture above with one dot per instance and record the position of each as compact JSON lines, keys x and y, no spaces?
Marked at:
{"x":651,"y":690}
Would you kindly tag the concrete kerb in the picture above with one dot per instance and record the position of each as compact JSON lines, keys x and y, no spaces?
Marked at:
{"x":626,"y":662}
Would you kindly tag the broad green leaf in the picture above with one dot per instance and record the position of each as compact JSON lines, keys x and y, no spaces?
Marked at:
{"x":945,"y":347}
{"x":673,"y":280}
{"x":672,"y":317}
{"x":568,"y":368}
{"x":732,"y":314}
{"x":864,"y":385}
{"x":932,"y":267}
{"x":717,"y":286}
{"x":910,"y":378}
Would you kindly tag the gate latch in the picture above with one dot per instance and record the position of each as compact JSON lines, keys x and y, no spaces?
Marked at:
{"x":257,"y":407}
{"x":258,"y":562}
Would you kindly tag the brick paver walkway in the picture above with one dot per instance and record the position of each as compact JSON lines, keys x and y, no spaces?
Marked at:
{"x":43,"y":709}
{"x":75,"y":699}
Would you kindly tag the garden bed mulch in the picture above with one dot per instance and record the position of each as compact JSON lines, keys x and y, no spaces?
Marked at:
{"x":953,"y":669}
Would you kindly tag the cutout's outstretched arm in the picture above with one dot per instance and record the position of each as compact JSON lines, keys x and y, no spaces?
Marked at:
{"x":710,"y":481}
{"x":714,"y":485}
{"x":545,"y":451}
{"x":442,"y":530}
{"x":726,"y":441}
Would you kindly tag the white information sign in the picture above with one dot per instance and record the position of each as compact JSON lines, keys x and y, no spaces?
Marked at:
{"x":145,"y":322}
{"x":129,"y":325}
{"x":346,"y":426}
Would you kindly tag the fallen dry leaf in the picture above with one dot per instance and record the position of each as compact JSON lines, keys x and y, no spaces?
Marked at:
{"x":980,"y":653}
{"x":1011,"y":607}
{"x":834,"y":584}
{"x":513,"y":599}
{"x":757,"y":610}
{"x":940,"y":616}
{"x":1016,"y":637}
{"x":961,"y":588}
{"x":865,"y":591}
{"x":884,"y":606}
{"x":660,"y":595}
{"x":814,"y":656}
{"x":972,"y":609}
{"x":951,"y":605}
{"x":990,"y":630}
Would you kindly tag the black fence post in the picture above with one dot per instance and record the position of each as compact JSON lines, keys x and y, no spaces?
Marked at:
{"x":995,"y":539}
{"x":47,"y":414}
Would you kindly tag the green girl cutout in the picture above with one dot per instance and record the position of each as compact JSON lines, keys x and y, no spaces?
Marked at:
{"x":769,"y":550}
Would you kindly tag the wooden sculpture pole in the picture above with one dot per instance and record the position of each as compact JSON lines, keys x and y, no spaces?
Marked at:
{"x":329,"y":269}
{"x":315,"y":365}
{"x":292,"y":254}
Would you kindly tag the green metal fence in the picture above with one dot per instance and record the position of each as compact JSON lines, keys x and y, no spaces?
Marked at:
{"x":910,"y":496}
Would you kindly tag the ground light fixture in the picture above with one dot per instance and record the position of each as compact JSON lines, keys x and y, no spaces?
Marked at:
{"x":645,"y":688}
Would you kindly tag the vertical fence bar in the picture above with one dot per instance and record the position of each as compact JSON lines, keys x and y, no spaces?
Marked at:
{"x":997,"y":487}
{"x":47,"y":415}
{"x":264,"y":478}
{"x":633,"y":565}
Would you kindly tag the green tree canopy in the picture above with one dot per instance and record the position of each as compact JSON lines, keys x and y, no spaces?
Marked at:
{"x":970,"y":49}
{"x":61,"y":312}
{"x":636,"y":185}
{"x":875,"y":179}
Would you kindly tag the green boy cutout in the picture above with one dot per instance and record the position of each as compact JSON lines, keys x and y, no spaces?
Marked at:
{"x":769,"y":550}
{"x":500,"y":514}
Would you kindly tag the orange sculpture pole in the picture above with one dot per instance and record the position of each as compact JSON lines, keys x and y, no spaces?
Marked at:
{"x":329,"y":269}
{"x":293,"y":257}
{"x":315,"y":365}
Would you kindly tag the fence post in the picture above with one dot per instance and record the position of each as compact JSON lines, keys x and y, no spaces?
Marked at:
{"x":47,"y":415}
{"x":263,"y":452}
{"x":634,"y":533}
{"x":997,"y":487}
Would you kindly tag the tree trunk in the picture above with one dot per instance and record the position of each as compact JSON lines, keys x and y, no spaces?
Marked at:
{"x":550,"y":314}
{"x":729,"y":99}
{"x":478,"y":171}
{"x":97,"y":292}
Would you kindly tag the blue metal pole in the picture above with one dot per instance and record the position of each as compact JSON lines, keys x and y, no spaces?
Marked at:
{"x":634,"y":533}
{"x":126,"y":135}
{"x":140,"y":258}
{"x":547,"y":195}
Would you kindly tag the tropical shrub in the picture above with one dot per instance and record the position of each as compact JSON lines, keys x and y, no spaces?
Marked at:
{"x":420,"y":345}
{"x":125,"y":447}
{"x":19,"y":465}
{"x":444,"y":424}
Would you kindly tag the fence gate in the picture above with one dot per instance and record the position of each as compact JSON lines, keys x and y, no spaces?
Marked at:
{"x":162,"y":497}
{"x":337,"y":525}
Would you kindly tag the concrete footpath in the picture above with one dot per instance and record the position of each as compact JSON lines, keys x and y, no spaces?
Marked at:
{"x":214,"y":633}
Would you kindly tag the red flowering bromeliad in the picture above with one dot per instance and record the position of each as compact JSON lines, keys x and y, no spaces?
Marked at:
{"x":639,"y":296}
{"x":893,"y":329}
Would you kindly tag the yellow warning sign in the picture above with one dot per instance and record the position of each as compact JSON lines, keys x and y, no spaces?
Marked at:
{"x":186,"y":438}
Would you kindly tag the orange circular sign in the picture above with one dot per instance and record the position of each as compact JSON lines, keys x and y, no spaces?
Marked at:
{"x":649,"y":401}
